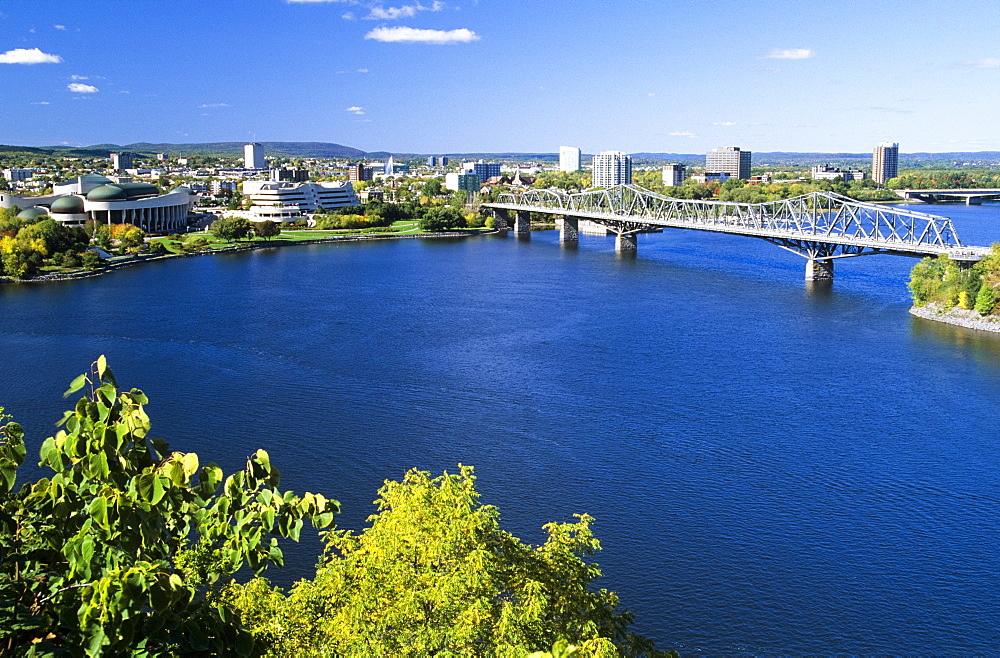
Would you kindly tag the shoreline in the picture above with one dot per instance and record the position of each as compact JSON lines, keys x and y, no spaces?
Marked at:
{"x":250,"y":246}
{"x":957,"y":316}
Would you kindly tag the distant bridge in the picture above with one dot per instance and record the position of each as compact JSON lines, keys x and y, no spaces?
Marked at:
{"x":821,"y":226}
{"x":971,"y":196}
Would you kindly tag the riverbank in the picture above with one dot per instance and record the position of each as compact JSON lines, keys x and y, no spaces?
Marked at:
{"x":958,"y":316}
{"x":250,"y":246}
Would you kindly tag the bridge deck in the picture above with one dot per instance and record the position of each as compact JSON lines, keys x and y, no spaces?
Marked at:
{"x":818,"y":225}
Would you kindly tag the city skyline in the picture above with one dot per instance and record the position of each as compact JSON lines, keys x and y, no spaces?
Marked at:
{"x":395,"y":77}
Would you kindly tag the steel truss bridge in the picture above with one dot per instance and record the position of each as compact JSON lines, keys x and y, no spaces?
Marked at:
{"x":821,"y":226}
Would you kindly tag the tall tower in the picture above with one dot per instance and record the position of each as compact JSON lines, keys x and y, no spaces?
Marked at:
{"x":729,"y":160}
{"x":611,"y":168}
{"x":253,"y":156}
{"x":885,"y":162}
{"x":569,"y":158}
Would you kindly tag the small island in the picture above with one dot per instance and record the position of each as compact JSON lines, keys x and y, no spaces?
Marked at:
{"x":946,"y":291}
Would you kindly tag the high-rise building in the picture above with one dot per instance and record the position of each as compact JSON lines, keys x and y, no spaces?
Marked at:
{"x":486,"y":170}
{"x":465,"y":182}
{"x":729,"y":160}
{"x":569,"y":158}
{"x":296,"y":174}
{"x":253,"y":156}
{"x":121,"y":161}
{"x":674,"y":174}
{"x":359,"y":171}
{"x":885,"y":162}
{"x":611,"y":168}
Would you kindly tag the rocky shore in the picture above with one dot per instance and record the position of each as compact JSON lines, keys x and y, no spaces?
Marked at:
{"x":958,"y":316}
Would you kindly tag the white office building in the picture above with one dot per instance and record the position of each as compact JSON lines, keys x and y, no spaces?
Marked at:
{"x":611,"y":168}
{"x":730,"y":160}
{"x":253,"y":156}
{"x":282,"y":201}
{"x":569,"y":158}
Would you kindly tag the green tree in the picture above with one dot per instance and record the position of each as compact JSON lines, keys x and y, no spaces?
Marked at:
{"x":267,"y":229}
{"x":441,"y":218}
{"x":986,"y":300}
{"x":435,"y":574}
{"x":231,"y":229}
{"x":432,"y":188}
{"x":119,"y":549}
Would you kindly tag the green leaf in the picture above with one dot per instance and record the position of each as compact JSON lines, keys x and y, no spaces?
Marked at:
{"x":102,"y":365}
{"x":99,"y":512}
{"x":75,"y":385}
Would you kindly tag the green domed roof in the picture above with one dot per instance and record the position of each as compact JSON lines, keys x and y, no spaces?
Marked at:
{"x":67,"y":204}
{"x":107,"y":193}
{"x":33,"y":212}
{"x":138,"y":189}
{"x":94,"y":178}
{"x":182,"y":188}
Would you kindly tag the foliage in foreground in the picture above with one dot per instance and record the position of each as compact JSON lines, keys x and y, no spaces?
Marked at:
{"x":117,"y":552}
{"x":941,"y":281}
{"x":435,"y":574}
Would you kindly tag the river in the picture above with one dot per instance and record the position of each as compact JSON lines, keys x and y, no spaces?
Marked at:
{"x":774,"y":468}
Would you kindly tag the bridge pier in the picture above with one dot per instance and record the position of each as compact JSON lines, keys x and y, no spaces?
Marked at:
{"x":522,"y":222}
{"x":819,"y":269}
{"x":626,"y":242}
{"x":501,"y":221}
{"x":973,"y":200}
{"x":570,"y":231}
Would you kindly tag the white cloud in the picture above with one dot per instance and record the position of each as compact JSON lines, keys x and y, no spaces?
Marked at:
{"x":59,"y":27}
{"x":81,"y":88}
{"x":78,"y":77}
{"x":362,"y":70}
{"x":413,"y":35}
{"x":790,"y":53}
{"x":378,"y":12}
{"x":987,"y":63}
{"x":204,"y":105}
{"x":723,"y":123}
{"x":682,"y":133}
{"x":42,"y":103}
{"x":354,"y":109}
{"x":28,"y":56}
{"x":650,"y":94}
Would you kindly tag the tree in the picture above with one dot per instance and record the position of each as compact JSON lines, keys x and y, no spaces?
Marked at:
{"x":231,"y":229}
{"x":435,"y":574}
{"x":432,"y":188}
{"x":118,"y":551}
{"x":21,"y":257}
{"x":267,"y":229}
{"x":132,"y":240}
{"x":441,"y":218}
{"x":986,"y":299}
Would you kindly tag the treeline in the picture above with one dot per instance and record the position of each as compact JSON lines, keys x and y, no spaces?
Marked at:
{"x":29,"y":243}
{"x":131,"y":548}
{"x":945,"y":283}
{"x":945,"y":179}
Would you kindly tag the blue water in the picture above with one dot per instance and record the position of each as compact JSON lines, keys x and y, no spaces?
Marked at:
{"x":775,"y":469}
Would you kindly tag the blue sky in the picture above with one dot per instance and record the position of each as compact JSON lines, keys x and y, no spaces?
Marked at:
{"x":484,"y":75}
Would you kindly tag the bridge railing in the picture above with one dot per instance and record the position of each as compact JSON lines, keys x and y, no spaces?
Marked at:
{"x":815,"y":215}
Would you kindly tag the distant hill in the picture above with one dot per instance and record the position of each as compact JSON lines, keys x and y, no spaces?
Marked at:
{"x":339,"y":151}
{"x":235,"y":149}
